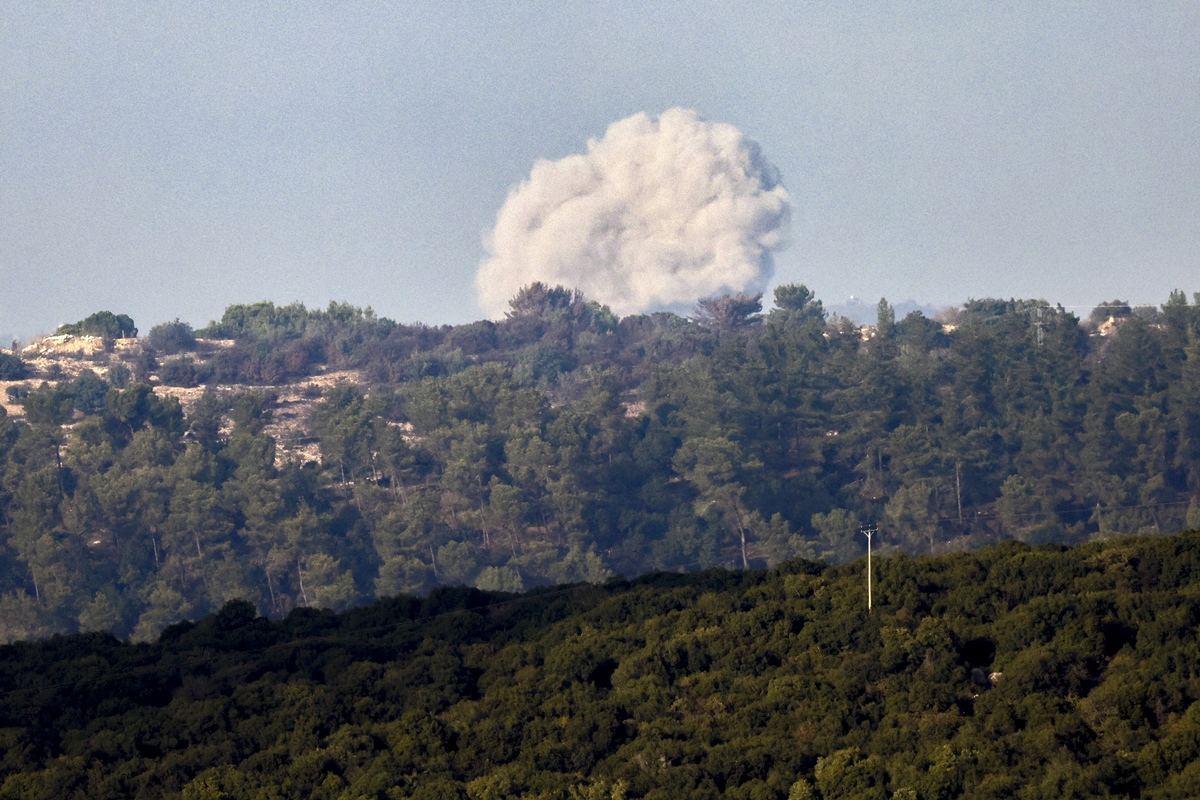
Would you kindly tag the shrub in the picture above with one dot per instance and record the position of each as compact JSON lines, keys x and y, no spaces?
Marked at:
{"x":102,"y":323}
{"x":171,"y":338}
{"x":119,"y":376}
{"x":179,"y":372}
{"x":145,"y":364}
{"x":12,"y":368}
{"x":89,"y":391}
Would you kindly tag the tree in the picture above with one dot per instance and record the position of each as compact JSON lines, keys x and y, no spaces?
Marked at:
{"x":89,"y":391}
{"x":799,"y":303}
{"x":508,"y":510}
{"x":12,"y":368}
{"x":164,"y":605}
{"x":539,"y":300}
{"x":103,"y":323}
{"x":204,"y":422}
{"x":325,"y":584}
{"x":196,"y":535}
{"x":500,"y":579}
{"x":848,"y":774}
{"x":885,"y":318}
{"x":839,"y":533}
{"x":99,"y":615}
{"x":172,"y":338}
{"x":1024,"y":511}
{"x":729,"y":312}
{"x":251,"y":411}
{"x":711,"y":465}
{"x":343,"y":422}
{"x":288,"y":547}
{"x":455,"y":563}
{"x":1192,"y":518}
{"x":49,"y":405}
{"x":910,"y":512}
{"x":119,"y":376}
{"x":138,"y":406}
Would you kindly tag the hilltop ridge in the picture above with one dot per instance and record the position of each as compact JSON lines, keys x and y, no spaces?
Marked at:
{"x":295,"y":457}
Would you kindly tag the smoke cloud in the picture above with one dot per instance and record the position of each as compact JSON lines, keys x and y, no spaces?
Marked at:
{"x":657,"y":214}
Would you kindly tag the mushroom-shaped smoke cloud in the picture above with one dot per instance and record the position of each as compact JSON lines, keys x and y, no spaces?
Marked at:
{"x":657,"y":214}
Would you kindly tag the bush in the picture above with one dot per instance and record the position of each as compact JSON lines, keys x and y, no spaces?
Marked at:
{"x":179,"y":372}
{"x":48,"y":405}
{"x":119,"y":376}
{"x":171,"y":338}
{"x":89,"y":391}
{"x":145,"y":364}
{"x":12,"y":368}
{"x":102,"y":323}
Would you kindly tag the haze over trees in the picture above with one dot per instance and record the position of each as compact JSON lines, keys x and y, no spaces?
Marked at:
{"x":564,"y":444}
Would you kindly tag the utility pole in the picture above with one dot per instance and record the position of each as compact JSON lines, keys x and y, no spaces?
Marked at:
{"x":958,"y":495}
{"x":868,"y":532}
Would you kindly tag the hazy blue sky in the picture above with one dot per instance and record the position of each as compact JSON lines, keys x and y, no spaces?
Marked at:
{"x":168,"y":159}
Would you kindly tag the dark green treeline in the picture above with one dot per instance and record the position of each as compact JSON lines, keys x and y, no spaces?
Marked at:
{"x":1010,"y":672}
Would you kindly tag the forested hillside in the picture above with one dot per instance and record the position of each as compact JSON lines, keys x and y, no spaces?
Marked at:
{"x":563,"y":444}
{"x":1010,"y":672}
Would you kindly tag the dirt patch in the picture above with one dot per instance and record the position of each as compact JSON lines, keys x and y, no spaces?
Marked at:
{"x":55,"y":359}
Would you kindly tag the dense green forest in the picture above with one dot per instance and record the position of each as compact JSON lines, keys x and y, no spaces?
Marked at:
{"x":563,"y":444}
{"x":1010,"y":672}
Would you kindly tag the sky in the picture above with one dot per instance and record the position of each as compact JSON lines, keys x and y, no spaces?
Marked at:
{"x":167,"y":160}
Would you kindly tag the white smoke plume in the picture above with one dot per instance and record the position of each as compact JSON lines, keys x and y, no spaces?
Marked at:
{"x":657,"y":214}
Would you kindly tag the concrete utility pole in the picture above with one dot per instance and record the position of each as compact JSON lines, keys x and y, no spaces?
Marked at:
{"x":868,"y":532}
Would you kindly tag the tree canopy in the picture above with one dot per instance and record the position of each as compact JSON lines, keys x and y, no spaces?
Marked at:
{"x":1013,"y":671}
{"x":103,"y":323}
{"x":561,"y":444}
